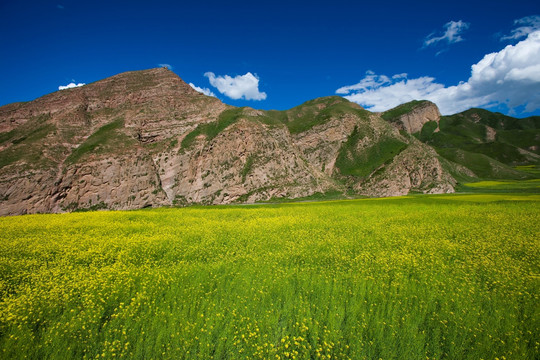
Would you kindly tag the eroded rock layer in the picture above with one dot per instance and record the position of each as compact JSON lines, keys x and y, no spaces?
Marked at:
{"x":146,"y":138}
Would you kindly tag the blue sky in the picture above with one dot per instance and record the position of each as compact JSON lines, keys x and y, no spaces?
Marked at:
{"x":278,"y":54}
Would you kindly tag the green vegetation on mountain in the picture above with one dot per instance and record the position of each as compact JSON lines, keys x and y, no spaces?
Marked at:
{"x":297,"y":120}
{"x":402,"y":109}
{"x":526,"y":139}
{"x":362,"y":161}
{"x":482,"y":165}
{"x":499,"y":121}
{"x":139,"y":129}
{"x":33,"y":130}
{"x":427,"y":130}
{"x":319,"y":111}
{"x":490,"y":144}
{"x":25,"y":142}
{"x":247,"y":167}
{"x":108,"y":138}
{"x":211,"y":130}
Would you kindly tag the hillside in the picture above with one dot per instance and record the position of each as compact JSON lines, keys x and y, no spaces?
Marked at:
{"x":491,"y":145}
{"x":146,"y":139}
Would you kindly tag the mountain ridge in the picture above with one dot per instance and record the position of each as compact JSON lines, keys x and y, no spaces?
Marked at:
{"x":146,"y":138}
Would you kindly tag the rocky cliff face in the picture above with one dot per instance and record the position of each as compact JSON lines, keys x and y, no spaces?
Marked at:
{"x":412,"y":116}
{"x":121,"y":182}
{"x":248,"y":161}
{"x":417,"y":169}
{"x":146,"y":138}
{"x":52,"y":146}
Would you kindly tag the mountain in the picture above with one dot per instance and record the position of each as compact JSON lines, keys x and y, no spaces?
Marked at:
{"x":489,"y":144}
{"x":146,"y":138}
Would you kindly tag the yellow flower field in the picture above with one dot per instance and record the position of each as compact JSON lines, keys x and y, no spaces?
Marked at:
{"x":426,"y":277}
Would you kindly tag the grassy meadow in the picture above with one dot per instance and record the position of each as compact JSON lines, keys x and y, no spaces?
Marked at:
{"x":504,"y":186}
{"x":419,"y":277}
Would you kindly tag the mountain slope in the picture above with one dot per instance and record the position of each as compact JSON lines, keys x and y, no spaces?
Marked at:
{"x":96,"y":131}
{"x":146,"y":138}
{"x":491,"y":145}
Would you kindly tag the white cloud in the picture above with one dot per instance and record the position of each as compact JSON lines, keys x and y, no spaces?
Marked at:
{"x":510,"y":77}
{"x":451,"y":35}
{"x":400,"y":76}
{"x":238,"y":87}
{"x":529,"y":24}
{"x":70,"y":86}
{"x":205,"y":91}
{"x":371,"y":80}
{"x":166,"y":66}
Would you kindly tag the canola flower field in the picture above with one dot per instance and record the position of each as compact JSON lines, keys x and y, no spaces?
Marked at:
{"x":420,"y":277}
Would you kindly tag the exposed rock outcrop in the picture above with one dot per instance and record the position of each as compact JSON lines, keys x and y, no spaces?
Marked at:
{"x":146,"y":138}
{"x":119,"y":182}
{"x":248,"y":161}
{"x":320,"y":145}
{"x":417,"y":169}
{"x":27,"y":192}
{"x":412,"y":116}
{"x":83,"y":147}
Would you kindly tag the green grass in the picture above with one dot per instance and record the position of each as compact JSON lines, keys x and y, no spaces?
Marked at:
{"x":456,"y":133}
{"x":488,"y":198}
{"x":318,"y":196}
{"x":531,"y":169}
{"x":393,"y":114}
{"x":499,"y":121}
{"x":319,"y":111}
{"x":525,"y":139}
{"x":17,"y":136}
{"x":462,"y":133}
{"x":362,"y":162}
{"x":26,"y":142}
{"x":427,"y":130}
{"x":410,"y":278}
{"x":482,"y":165}
{"x":274,"y":117}
{"x":297,"y":120}
{"x":466,"y":134}
{"x":463,"y":139}
{"x":502,"y":152}
{"x":247,"y":167}
{"x":30,"y":151}
{"x":506,"y":186}
{"x":106,"y":139}
{"x":211,"y":130}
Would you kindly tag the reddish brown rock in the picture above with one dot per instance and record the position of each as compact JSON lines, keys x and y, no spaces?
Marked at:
{"x":414,"y":119}
{"x":142,"y":139}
